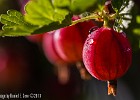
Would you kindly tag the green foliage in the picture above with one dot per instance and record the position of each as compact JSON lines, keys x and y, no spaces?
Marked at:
{"x":14,"y":24}
{"x":48,"y":15}
{"x":54,"y":26}
{"x":119,"y":5}
{"x":77,"y":6}
{"x":42,"y":12}
{"x":123,"y":12}
{"x":42,"y":16}
{"x":74,"y":6}
{"x":136,"y":30}
{"x":138,"y":19}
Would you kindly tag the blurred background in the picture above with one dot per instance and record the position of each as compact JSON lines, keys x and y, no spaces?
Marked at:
{"x":24,"y":68}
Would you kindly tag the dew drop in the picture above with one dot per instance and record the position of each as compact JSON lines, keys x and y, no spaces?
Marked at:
{"x":91,"y":41}
{"x":93,"y":29}
{"x":89,"y":35}
{"x":128,"y":49}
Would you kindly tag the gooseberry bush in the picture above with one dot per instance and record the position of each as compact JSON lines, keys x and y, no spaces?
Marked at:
{"x":95,"y":38}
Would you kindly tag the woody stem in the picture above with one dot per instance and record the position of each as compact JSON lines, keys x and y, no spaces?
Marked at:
{"x":112,"y":87}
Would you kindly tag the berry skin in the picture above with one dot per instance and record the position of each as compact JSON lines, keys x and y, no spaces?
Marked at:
{"x":107,"y":54}
{"x":64,"y":46}
{"x":49,"y":49}
{"x":61,"y":67}
{"x":37,"y":38}
{"x":69,"y":41}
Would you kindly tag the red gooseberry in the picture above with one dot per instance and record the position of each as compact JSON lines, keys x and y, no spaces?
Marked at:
{"x":107,"y":55}
{"x":69,"y":41}
{"x":61,"y":67}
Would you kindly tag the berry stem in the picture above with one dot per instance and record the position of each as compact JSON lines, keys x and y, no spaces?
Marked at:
{"x":108,"y":14}
{"x":92,"y":16}
{"x":63,"y":73}
{"x":112,"y":87}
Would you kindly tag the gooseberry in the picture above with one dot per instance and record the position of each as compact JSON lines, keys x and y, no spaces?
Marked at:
{"x":69,"y":41}
{"x":49,"y":49}
{"x":64,"y":46}
{"x":61,"y":67}
{"x":36,"y":38}
{"x":107,"y":55}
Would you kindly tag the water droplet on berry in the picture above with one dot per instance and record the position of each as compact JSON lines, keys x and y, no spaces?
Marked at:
{"x":93,"y":29}
{"x":91,"y":41}
{"x":89,"y":35}
{"x":128,"y":49}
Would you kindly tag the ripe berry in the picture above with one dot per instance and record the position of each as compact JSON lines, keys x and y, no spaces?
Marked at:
{"x":107,"y":55}
{"x":61,"y":67}
{"x":49,"y":49}
{"x":64,"y":46}
{"x":69,"y":41}
{"x":37,"y":38}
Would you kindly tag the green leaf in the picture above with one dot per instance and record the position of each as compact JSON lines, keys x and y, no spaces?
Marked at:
{"x":75,"y":6}
{"x":138,"y":19}
{"x":45,"y":12}
{"x":42,"y":16}
{"x":62,"y":3}
{"x":124,"y":14}
{"x":14,"y":24}
{"x":119,"y":5}
{"x":42,"y":12}
{"x":54,"y":25}
{"x":136,"y":30}
{"x":81,"y":6}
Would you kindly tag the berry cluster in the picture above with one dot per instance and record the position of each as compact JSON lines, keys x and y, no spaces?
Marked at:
{"x":105,"y":52}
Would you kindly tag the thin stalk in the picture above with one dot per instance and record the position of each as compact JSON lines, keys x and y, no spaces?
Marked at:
{"x":92,"y":16}
{"x":112,"y":87}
